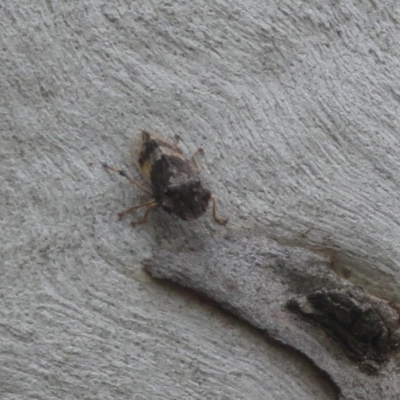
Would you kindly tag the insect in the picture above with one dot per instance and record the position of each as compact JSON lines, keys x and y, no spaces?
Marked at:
{"x":175,"y":185}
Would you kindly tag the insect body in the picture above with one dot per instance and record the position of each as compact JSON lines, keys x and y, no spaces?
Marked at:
{"x":175,"y":183}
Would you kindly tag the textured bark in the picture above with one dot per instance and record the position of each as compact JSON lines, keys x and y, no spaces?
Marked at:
{"x":296,"y":105}
{"x":259,"y":280}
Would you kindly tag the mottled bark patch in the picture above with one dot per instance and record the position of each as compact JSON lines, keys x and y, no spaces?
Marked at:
{"x":366,"y":326}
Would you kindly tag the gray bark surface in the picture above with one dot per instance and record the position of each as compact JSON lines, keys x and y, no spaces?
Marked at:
{"x":257,"y":278}
{"x":296,"y":105}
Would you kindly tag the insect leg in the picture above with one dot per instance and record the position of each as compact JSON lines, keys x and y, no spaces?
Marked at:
{"x":177,"y":140}
{"x":130,"y":179}
{"x":221,"y":221}
{"x":146,"y":214}
{"x":194,"y":160}
{"x":148,"y":204}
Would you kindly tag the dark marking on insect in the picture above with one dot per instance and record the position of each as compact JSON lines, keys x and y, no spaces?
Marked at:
{"x":175,"y":185}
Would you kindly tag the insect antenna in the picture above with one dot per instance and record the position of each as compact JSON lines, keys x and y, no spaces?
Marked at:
{"x":129,"y":178}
